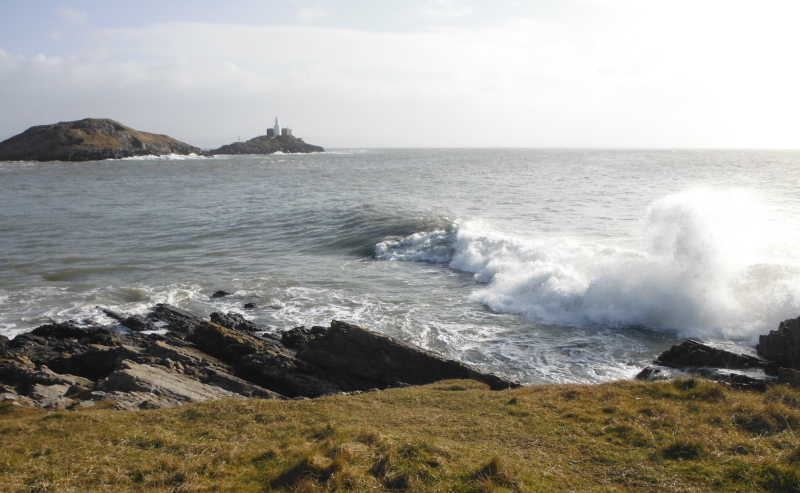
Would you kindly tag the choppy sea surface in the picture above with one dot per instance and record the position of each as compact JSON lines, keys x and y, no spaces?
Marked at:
{"x":541,"y":265}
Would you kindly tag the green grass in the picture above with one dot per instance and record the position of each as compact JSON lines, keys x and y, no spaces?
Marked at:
{"x":685,"y":435}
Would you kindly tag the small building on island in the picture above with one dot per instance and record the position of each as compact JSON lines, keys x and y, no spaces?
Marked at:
{"x":277,"y":131}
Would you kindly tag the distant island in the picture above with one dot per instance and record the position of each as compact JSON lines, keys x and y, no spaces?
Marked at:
{"x":95,"y":139}
{"x":278,"y":139}
{"x":90,"y":139}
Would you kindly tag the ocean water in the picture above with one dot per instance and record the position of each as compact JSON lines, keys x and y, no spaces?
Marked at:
{"x":541,"y":265}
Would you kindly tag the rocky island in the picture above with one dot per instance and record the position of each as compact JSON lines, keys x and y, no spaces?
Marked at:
{"x":90,"y":139}
{"x":268,"y":144}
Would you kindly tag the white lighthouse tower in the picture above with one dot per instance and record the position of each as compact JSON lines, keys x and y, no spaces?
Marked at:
{"x":277,"y":128}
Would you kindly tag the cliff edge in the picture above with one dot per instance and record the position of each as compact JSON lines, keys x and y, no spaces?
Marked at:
{"x":90,"y":139}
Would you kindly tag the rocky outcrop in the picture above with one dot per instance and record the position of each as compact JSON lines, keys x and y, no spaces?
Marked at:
{"x":268,"y":145}
{"x":693,"y":354}
{"x":90,"y":139}
{"x":361,"y":355}
{"x":782,"y":346}
{"x":64,"y":365}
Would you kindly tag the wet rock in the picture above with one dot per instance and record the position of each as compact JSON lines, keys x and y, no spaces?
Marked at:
{"x":234,"y":321}
{"x":652,"y":374}
{"x":693,"y":354}
{"x":249,"y":306}
{"x":782,"y":346}
{"x":219,"y":294}
{"x":134,"y":322}
{"x":176,"y":319}
{"x":296,"y":337}
{"x":360,"y":357}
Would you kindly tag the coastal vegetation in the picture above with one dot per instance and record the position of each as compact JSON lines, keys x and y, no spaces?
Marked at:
{"x":687,"y":434}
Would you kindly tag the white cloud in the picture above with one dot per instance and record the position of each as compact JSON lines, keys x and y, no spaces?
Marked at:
{"x":311,"y":13}
{"x":661,"y":80}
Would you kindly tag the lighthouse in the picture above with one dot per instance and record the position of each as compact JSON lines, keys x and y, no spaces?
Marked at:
{"x":277,"y":127}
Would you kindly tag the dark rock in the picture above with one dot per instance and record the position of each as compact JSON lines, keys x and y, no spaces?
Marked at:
{"x":234,"y":321}
{"x":296,"y":337}
{"x":177,"y":320}
{"x":735,"y":380}
{"x":249,"y":306}
{"x":789,"y":376}
{"x":66,"y":330}
{"x":268,"y":145}
{"x":220,"y":294}
{"x":263,"y":362}
{"x":651,"y":374}
{"x":349,"y":351}
{"x":693,"y":354}
{"x":90,"y":139}
{"x":135,"y":322}
{"x":782,"y":346}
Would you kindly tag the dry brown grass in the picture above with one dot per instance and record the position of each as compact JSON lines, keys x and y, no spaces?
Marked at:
{"x":686,"y":435}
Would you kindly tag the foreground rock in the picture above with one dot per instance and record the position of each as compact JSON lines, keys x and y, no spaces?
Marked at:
{"x":780,"y":350}
{"x":782,"y":346}
{"x":268,"y":145}
{"x":65,"y":365}
{"x":90,"y":139}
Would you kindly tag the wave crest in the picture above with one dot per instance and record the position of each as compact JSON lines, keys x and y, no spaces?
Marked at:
{"x":697,"y":271}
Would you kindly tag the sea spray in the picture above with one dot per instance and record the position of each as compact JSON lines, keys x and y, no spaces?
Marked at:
{"x":696,"y":272}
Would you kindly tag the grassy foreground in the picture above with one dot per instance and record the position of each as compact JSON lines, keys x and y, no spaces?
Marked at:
{"x":684,"y":435}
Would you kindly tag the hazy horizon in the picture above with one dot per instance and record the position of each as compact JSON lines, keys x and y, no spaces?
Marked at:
{"x":552,"y":74}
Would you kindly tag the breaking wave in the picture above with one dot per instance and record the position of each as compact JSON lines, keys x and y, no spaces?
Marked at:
{"x":696,"y":270}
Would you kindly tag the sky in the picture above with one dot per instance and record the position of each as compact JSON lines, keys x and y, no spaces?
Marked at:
{"x":412,"y":73}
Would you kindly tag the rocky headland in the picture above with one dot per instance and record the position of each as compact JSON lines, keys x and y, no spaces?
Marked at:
{"x":65,"y":365}
{"x":91,"y":139}
{"x":268,"y":145}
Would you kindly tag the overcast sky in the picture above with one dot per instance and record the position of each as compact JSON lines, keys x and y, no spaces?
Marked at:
{"x":412,"y":73}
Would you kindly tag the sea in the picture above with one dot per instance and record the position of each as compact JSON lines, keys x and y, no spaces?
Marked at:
{"x":542,"y":265}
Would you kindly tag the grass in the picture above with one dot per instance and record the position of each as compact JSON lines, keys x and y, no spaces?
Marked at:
{"x":685,"y":435}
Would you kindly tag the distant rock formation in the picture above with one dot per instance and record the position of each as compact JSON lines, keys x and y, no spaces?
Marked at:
{"x":90,"y":139}
{"x":268,"y":145}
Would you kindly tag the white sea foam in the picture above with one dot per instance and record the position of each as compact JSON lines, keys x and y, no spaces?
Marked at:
{"x":165,"y":157}
{"x":697,"y":271}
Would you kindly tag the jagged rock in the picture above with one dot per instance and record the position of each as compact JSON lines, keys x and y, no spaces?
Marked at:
{"x":351,"y":351}
{"x":90,"y":139}
{"x":134,"y":322}
{"x":134,"y":377}
{"x":264,"y":362}
{"x":234,"y":321}
{"x":782,"y":346}
{"x":296,"y":337}
{"x":50,"y":396}
{"x":693,"y":354}
{"x":177,"y":320}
